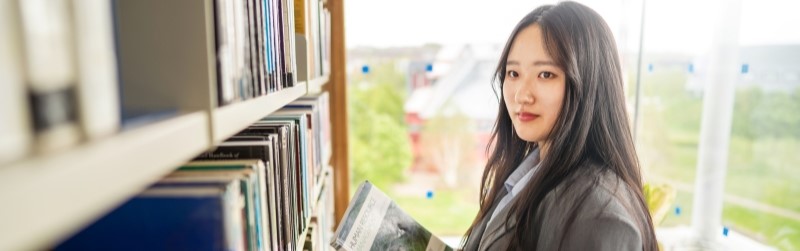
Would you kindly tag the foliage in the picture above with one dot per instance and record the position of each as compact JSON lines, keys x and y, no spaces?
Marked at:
{"x":379,"y":147}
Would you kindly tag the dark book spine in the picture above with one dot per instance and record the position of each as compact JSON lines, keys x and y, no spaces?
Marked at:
{"x":259,"y":22}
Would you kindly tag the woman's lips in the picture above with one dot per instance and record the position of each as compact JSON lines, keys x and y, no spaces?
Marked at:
{"x":526,"y":116}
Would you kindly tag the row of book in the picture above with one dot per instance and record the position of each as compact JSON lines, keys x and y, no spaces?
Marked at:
{"x":257,"y":190}
{"x":72,"y":71}
{"x":264,"y":46}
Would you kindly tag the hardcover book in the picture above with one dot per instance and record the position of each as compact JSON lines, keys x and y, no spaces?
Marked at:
{"x":201,"y":217}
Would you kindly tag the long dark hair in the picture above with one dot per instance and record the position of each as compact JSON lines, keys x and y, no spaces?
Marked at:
{"x":592,"y":129}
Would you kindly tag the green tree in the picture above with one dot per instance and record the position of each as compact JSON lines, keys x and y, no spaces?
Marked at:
{"x":380,"y":149}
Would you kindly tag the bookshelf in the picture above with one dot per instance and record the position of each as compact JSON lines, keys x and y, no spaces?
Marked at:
{"x":56,"y":194}
{"x":48,"y":197}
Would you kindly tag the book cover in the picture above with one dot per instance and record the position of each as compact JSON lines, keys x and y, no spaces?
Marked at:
{"x":374,"y":222}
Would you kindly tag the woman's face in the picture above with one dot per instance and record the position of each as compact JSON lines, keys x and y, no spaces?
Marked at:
{"x":534,"y":86}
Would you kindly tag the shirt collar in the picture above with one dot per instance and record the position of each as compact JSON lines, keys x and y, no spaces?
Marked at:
{"x":523,"y":173}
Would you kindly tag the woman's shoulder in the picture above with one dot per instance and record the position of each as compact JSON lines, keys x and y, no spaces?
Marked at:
{"x":596,"y":192}
{"x":601,"y":205}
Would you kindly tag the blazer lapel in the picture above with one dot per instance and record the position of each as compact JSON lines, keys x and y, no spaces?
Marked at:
{"x":496,"y":228}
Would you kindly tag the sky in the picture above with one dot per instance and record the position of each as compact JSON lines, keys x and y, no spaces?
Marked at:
{"x":670,"y":25}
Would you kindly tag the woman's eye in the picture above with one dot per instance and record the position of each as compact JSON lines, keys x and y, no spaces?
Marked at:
{"x":513,"y":74}
{"x":546,"y":75}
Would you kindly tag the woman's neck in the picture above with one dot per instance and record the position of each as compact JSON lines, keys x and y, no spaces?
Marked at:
{"x":543,"y":147}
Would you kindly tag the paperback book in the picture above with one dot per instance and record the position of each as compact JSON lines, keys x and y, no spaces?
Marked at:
{"x":374,"y":222}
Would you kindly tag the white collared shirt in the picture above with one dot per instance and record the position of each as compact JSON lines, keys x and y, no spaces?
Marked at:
{"x":518,"y":180}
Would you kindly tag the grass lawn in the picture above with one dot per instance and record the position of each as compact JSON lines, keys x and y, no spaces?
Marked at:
{"x":760,"y":168}
{"x":447,"y":213}
{"x":779,"y":232}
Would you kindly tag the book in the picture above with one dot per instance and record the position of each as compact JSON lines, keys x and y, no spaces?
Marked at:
{"x":285,"y":157}
{"x":16,"y":135}
{"x":259,"y":202}
{"x":50,"y":73}
{"x":98,"y":82}
{"x":374,"y":222}
{"x":299,"y":144}
{"x":273,"y":153}
{"x":205,"y":216}
{"x":225,"y":56}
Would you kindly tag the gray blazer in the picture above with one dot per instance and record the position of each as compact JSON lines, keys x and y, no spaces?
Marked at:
{"x":603,"y":222}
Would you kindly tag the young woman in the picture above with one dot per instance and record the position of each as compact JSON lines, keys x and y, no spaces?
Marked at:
{"x":563,"y":173}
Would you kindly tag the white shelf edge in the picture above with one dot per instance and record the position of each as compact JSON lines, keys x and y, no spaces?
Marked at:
{"x":315,"y":85}
{"x":230,"y":119}
{"x":46,"y":199}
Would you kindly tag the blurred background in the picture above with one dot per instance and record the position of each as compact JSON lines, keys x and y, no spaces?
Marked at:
{"x":421,"y":109}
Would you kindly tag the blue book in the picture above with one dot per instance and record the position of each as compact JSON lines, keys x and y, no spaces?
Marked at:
{"x":205,"y":217}
{"x":259,"y":200}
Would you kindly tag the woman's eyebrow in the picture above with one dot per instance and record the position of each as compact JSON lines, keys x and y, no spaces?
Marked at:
{"x":535,"y":63}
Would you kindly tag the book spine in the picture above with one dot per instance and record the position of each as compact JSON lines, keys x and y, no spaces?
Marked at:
{"x":279,"y":42}
{"x":319,"y":38}
{"x":225,"y":81}
{"x":288,"y":13}
{"x":251,"y":44}
{"x":312,"y":38}
{"x":15,"y":130}
{"x":240,"y":48}
{"x":234,"y":225}
{"x":97,"y":67}
{"x":268,"y":45}
{"x":260,"y":47}
{"x":51,"y":74}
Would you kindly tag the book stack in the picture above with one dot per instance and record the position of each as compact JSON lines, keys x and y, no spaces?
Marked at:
{"x":258,"y":190}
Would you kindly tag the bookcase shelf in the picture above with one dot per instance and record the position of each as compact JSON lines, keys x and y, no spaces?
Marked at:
{"x":46,"y":198}
{"x":229,"y":120}
{"x":315,"y":85}
{"x":169,"y":64}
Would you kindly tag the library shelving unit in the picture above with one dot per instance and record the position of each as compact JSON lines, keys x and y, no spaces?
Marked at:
{"x":46,"y":198}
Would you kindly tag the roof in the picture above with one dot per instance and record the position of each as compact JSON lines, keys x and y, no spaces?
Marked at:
{"x":466,"y":89}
